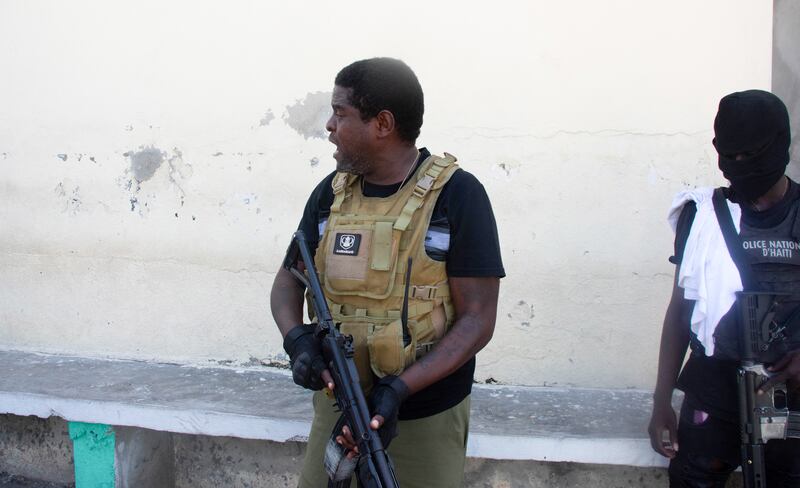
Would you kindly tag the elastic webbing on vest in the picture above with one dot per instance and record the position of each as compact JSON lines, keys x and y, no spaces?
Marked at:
{"x":422,"y":187}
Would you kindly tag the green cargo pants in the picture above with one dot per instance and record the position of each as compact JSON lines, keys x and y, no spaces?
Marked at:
{"x":427,"y":452}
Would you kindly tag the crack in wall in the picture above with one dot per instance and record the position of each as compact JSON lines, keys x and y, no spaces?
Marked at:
{"x":255,"y":268}
{"x":476,"y":132}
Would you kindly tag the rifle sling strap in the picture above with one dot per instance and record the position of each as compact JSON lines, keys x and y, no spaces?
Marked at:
{"x":733,"y":241}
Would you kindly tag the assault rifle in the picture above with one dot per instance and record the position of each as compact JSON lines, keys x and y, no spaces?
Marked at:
{"x":766,"y":416}
{"x":373,"y":467}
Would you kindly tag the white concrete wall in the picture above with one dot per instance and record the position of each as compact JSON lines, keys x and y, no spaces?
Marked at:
{"x":786,"y":68}
{"x":581,"y":118}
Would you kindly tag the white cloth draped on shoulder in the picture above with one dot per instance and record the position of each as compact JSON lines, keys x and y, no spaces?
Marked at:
{"x":707,"y":274}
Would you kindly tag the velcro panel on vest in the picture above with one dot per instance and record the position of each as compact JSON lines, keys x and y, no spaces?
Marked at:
{"x":349,"y":267}
{"x":382,"y":246}
{"x":367,"y":267}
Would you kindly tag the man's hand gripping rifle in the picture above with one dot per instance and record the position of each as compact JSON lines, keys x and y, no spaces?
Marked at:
{"x":762,"y":416}
{"x":373,"y":467}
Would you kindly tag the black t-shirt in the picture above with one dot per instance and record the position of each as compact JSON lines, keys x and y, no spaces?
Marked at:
{"x":462,"y":232}
{"x":710,"y":383}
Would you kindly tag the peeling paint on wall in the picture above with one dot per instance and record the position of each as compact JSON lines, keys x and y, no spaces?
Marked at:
{"x":266,"y":119}
{"x":314,"y":161}
{"x":144,"y":166}
{"x":504,"y":171}
{"x":70,"y":199}
{"x":309,"y":116}
{"x":145,"y":162}
{"x":62,"y":156}
{"x":179,"y":170}
{"x":522,"y":315}
{"x":233,"y":205}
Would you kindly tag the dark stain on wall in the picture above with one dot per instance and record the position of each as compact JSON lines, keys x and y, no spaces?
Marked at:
{"x":266,"y":119}
{"x":145,"y":162}
{"x":308,"y":116}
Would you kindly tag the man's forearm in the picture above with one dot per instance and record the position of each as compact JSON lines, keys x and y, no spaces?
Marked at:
{"x":286,"y":301}
{"x":475,"y":302}
{"x":674,"y":343}
{"x":465,"y":339}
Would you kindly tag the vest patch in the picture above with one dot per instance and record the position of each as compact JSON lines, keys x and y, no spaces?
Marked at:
{"x":347,"y":244}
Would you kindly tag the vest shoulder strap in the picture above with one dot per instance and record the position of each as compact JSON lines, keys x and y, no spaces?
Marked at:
{"x":434,"y":177}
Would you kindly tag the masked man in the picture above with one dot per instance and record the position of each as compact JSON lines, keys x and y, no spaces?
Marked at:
{"x":752,"y":139}
{"x":388,"y":207}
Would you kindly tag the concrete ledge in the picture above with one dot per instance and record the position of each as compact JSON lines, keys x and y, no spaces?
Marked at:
{"x":514,"y":423}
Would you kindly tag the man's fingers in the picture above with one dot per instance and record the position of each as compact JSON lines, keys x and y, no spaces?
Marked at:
{"x":320,"y":370}
{"x":348,"y":437}
{"x":664,"y":437}
{"x":656,"y":442}
{"x":785,"y":360}
{"x":346,"y":440}
{"x":376,"y":422}
{"x":772,"y":381}
{"x":300,"y":369}
{"x":328,"y":379}
{"x":673,"y":439}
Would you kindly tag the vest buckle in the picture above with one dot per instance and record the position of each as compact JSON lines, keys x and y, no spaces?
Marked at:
{"x":423,"y":186}
{"x":423,"y":349}
{"x":423,"y":292}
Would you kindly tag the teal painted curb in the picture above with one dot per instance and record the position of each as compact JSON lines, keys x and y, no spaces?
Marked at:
{"x":93,"y":446}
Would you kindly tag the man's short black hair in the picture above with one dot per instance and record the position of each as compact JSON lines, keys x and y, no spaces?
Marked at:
{"x":385,"y":84}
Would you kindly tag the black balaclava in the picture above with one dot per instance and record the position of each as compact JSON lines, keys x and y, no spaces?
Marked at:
{"x":755,"y":124}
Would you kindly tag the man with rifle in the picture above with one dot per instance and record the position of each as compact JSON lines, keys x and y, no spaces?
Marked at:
{"x":736,"y":304}
{"x":408,"y":258}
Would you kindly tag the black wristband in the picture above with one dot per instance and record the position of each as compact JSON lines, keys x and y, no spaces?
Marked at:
{"x":395,"y":383}
{"x":294,"y":334}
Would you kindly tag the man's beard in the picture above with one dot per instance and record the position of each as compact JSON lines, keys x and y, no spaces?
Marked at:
{"x":354,"y":165}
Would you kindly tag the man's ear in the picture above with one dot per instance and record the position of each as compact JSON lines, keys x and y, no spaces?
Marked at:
{"x":384,"y":123}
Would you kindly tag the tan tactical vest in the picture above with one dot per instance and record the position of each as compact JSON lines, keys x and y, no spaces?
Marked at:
{"x":362,"y":260}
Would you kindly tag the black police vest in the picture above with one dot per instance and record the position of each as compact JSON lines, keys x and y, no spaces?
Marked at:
{"x":775,"y":256}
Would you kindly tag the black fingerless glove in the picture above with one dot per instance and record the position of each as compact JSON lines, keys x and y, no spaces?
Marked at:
{"x":385,"y":399}
{"x":305,"y":354}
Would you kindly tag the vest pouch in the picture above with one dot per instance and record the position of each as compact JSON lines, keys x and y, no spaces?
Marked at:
{"x":361,"y":257}
{"x":387,"y":354}
{"x":428,"y":330}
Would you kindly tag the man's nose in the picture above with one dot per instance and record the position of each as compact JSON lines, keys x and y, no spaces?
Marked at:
{"x":330,"y":126}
